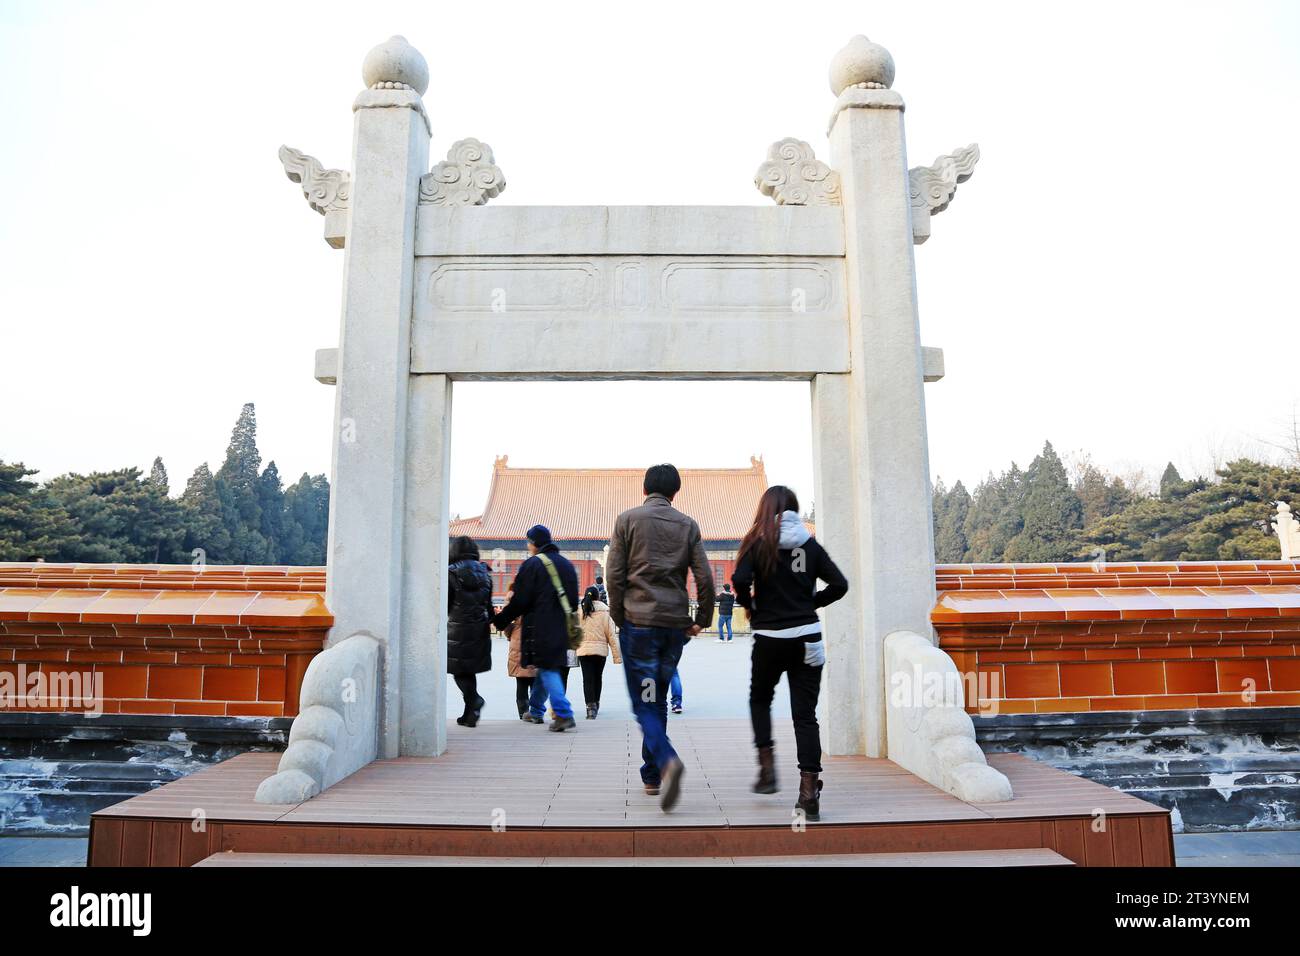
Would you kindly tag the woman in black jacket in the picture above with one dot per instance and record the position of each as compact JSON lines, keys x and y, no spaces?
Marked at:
{"x":469,"y":636}
{"x":777,"y":569}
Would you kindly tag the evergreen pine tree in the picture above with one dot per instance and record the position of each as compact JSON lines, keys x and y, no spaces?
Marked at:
{"x":202,"y":519}
{"x":1009,"y":518}
{"x":1171,"y":483}
{"x":950,"y":539}
{"x":938,"y":508}
{"x":238,"y":488}
{"x":1102,"y":495}
{"x":32,"y":527}
{"x":271,"y":502}
{"x":306,"y":520}
{"x":158,"y":476}
{"x":1051,"y":513}
{"x":122,"y":517}
{"x":986,"y":507}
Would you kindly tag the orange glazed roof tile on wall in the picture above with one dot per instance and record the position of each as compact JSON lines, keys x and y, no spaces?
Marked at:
{"x":580,"y":504}
{"x":1010,"y":593}
{"x":248,"y":596}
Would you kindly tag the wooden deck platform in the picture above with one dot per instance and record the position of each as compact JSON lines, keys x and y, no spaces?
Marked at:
{"x":516,"y":792}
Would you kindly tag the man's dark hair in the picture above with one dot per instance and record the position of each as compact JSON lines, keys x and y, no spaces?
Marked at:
{"x":662,"y":480}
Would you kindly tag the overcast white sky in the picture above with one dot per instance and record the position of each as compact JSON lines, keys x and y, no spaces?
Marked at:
{"x":1118,"y":276}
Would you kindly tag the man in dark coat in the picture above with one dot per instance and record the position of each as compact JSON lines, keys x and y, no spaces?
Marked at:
{"x":545,"y":640}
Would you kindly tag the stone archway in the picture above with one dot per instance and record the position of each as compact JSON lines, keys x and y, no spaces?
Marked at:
{"x":438,"y":286}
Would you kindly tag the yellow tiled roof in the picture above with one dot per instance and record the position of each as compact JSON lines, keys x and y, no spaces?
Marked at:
{"x":582,"y":503}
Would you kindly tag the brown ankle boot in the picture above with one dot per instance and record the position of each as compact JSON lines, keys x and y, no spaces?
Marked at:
{"x":810,"y":789}
{"x":766,"y":782}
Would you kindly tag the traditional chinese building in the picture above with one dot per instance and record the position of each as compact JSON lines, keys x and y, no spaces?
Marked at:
{"x":579,"y":505}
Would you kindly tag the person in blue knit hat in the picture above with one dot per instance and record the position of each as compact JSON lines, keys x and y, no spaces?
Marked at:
{"x":544,"y":644}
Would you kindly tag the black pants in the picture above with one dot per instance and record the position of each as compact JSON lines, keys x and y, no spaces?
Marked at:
{"x":523,"y":686}
{"x":774,"y":656}
{"x":468,"y":684}
{"x":593,"y":670}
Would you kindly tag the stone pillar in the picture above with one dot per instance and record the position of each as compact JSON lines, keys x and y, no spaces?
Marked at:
{"x":844,"y":693}
{"x":390,"y":153}
{"x":885,"y":402}
{"x":424,"y":568}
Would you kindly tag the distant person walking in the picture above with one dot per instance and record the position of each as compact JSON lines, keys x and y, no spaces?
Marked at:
{"x":726,"y":605}
{"x":675,"y":691}
{"x":652,"y":548}
{"x":469,"y":634}
{"x":524,"y":676}
{"x":599,"y":637}
{"x":777,"y":570}
{"x":545,"y":584}
{"x":600,"y":586}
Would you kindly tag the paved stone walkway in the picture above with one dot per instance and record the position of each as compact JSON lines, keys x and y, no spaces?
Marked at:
{"x":715,"y":683}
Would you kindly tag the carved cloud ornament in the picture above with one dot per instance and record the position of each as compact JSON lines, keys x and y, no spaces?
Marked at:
{"x":467,"y":177}
{"x":326,"y":189}
{"x":932,"y":187}
{"x":793,"y":176}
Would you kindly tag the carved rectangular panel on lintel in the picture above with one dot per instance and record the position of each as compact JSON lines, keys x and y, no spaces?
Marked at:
{"x":617,"y":316}
{"x":448,"y":231}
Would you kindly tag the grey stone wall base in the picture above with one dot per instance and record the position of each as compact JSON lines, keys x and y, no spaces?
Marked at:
{"x":1235,"y":768}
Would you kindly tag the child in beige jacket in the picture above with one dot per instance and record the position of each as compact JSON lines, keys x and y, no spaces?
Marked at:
{"x":598,"y":638}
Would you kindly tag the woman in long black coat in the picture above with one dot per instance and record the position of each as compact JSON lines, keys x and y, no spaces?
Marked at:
{"x":469,"y":611}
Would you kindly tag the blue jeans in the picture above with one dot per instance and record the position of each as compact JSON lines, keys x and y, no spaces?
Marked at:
{"x":650,"y":656}
{"x":548,"y":684}
{"x":675,"y":689}
{"x":724,"y":621}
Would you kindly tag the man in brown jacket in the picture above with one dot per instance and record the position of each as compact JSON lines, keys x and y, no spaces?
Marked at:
{"x":653,"y":546}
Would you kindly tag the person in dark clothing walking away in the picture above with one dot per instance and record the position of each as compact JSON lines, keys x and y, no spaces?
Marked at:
{"x":600,"y":588}
{"x":777,"y":569}
{"x":545,"y":640}
{"x":469,"y":634}
{"x":726,"y":604}
{"x":598,"y":639}
{"x":652,"y":547}
{"x":524,"y":676}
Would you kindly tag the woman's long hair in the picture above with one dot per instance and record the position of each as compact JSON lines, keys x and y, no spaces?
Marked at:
{"x":462,"y":547}
{"x":764,"y":534}
{"x":589,"y":599}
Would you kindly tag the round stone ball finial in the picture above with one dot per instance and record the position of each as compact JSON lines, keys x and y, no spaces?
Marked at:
{"x":395,"y":65}
{"x":863,"y":65}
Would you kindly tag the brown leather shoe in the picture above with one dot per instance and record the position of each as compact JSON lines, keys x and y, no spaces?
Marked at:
{"x":766,"y":782}
{"x":652,"y":789}
{"x":810,"y":789}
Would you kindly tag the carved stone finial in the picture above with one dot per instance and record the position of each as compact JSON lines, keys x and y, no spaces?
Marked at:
{"x":862,"y":64}
{"x":467,"y":177}
{"x":326,"y":189}
{"x":395,"y":65}
{"x":794,"y":176}
{"x":932,"y":187}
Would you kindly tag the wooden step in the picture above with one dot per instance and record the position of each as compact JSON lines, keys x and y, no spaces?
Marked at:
{"x":1027,"y":857}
